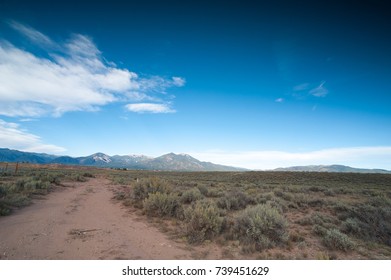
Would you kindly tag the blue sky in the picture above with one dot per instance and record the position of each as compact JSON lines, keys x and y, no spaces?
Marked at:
{"x":245,"y":83}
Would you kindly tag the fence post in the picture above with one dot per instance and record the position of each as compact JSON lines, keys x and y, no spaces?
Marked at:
{"x":16,"y":167}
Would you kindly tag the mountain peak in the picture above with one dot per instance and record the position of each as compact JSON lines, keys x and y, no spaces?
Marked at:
{"x":169,"y":162}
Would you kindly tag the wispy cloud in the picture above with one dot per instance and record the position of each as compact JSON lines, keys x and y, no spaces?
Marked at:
{"x":279,"y":100}
{"x":319,"y":91}
{"x":304,"y":90}
{"x":14,"y":137}
{"x":34,"y":35}
{"x":178,"y":81}
{"x":300,"y":87}
{"x":149,"y":108}
{"x":365,"y":157}
{"x":73,"y":76}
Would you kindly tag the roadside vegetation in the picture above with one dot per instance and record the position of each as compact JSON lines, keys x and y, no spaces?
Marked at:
{"x":20,"y":184}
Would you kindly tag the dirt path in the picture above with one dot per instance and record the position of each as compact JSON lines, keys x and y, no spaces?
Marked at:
{"x":82,"y":222}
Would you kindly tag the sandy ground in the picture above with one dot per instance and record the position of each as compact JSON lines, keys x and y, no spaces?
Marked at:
{"x":83,"y":222}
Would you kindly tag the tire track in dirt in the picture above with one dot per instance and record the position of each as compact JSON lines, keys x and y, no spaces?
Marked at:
{"x":82,"y":222}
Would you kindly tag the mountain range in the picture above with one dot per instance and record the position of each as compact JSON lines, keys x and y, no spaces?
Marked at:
{"x":167,"y":162}
{"x":331,"y":168}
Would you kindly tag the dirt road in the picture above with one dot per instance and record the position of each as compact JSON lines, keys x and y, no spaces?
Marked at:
{"x":82,"y":222}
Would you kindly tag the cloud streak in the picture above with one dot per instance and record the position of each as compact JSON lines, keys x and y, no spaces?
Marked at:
{"x":365,"y":157}
{"x":72,"y":76}
{"x":14,"y":137}
{"x":319,"y":91}
{"x":304,"y":89}
{"x":149,"y":108}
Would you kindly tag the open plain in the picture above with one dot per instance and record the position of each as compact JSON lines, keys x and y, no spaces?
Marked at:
{"x":60,"y":212}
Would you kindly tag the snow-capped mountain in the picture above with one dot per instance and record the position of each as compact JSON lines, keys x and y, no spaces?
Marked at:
{"x":169,"y":162}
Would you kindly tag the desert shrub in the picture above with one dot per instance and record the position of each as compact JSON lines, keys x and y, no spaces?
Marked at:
{"x":305,"y":221}
{"x":334,"y":239}
{"x":316,"y":189}
{"x":341,"y":209}
{"x":265,"y":197}
{"x":16,"y":200}
{"x":214,"y":193}
{"x":329,"y":192}
{"x":279,"y":204}
{"x":284,"y":193}
{"x":3,"y":191}
{"x":191,"y":195}
{"x":51,"y":178}
{"x":263,"y":225}
{"x":34,"y":186}
{"x":143,"y":188}
{"x":161,"y":204}
{"x":203,"y":189}
{"x":319,"y":230}
{"x":322,"y":219}
{"x":18,"y":186}
{"x":374,"y":222}
{"x":318,"y":218}
{"x":121,"y":195}
{"x":234,"y":200}
{"x":352,"y":226}
{"x":88,"y":175}
{"x":202,"y":221}
{"x":78,"y":178}
{"x":4,"y":211}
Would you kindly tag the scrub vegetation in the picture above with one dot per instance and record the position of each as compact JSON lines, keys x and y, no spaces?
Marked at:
{"x":276,"y":215}
{"x":255,"y":215}
{"x":20,"y":183}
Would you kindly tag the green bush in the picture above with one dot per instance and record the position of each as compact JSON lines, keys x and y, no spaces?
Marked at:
{"x":3,"y":190}
{"x":353,"y":226}
{"x":234,"y":200}
{"x":370,"y":221}
{"x":78,"y":178}
{"x":191,"y":195}
{"x":143,"y":188}
{"x":88,"y":175}
{"x":263,"y":225}
{"x":35,"y":186}
{"x":4,"y":208}
{"x":16,"y":200}
{"x":202,"y":221}
{"x":203,"y":189}
{"x":162,"y":204}
{"x":334,"y":239}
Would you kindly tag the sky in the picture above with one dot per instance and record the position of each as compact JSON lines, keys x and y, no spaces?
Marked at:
{"x":253,"y":84}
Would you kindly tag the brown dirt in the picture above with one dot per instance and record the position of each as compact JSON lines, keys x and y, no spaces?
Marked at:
{"x":83,"y":222}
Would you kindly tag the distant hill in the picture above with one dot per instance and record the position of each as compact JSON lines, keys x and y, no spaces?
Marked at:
{"x":168,"y":162}
{"x":331,"y":168}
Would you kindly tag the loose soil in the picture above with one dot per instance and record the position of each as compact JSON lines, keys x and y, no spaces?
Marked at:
{"x":82,"y":221}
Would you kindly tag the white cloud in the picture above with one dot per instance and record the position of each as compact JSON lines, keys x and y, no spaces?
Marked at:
{"x":279,"y":100}
{"x":364,"y":157}
{"x":14,"y":137}
{"x":178,"y":81}
{"x":149,"y":108}
{"x":73,"y":77}
{"x":305,"y":89}
{"x":319,"y":91}
{"x":34,"y":35}
{"x":301,"y":87}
